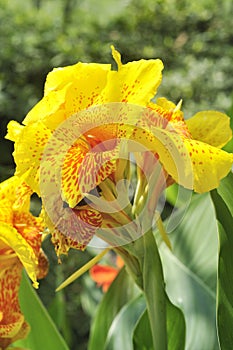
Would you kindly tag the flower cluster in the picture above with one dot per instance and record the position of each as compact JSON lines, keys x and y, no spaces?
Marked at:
{"x":73,"y":150}
{"x":20,"y":246}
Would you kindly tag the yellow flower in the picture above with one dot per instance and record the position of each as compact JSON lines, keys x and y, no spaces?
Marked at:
{"x":69,"y":149}
{"x":20,"y":242}
{"x":189,"y":150}
{"x":12,"y":323}
{"x":72,"y":89}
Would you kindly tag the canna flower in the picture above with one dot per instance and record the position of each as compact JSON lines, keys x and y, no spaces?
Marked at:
{"x":67,"y":91}
{"x":20,"y":242}
{"x":104,"y":275}
{"x":69,"y":145}
{"x":198,"y":141}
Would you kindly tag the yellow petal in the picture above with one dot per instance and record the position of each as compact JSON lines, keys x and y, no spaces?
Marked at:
{"x":166,"y":104}
{"x":30,"y":228}
{"x":12,"y":320}
{"x":22,"y":334}
{"x":211,"y":127}
{"x":135,"y":82}
{"x":172,"y":113}
{"x":14,"y":197}
{"x":71,"y":228}
{"x":7,"y":188}
{"x":22,"y":197}
{"x":23,"y":250}
{"x":83,"y":171}
{"x":209,"y":164}
{"x":171,"y":151}
{"x":67,"y":91}
{"x":29,"y":151}
{"x":59,"y":77}
{"x":85,"y":89}
{"x":49,"y":110}
{"x":14,"y":130}
{"x":6,"y":214}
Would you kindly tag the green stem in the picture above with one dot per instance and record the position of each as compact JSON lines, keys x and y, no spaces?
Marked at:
{"x":154,"y":289}
{"x":143,"y":263}
{"x":132,"y":265}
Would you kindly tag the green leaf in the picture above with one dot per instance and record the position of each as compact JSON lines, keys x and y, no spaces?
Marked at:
{"x":175,"y":327}
{"x":154,"y":289}
{"x":142,"y":334}
{"x":158,"y":304}
{"x":191,"y":269}
{"x":58,"y":312}
{"x":225,"y":191}
{"x":120,"y":335}
{"x":120,"y":292}
{"x":222,"y":199}
{"x":43,"y":334}
{"x":175,"y":330}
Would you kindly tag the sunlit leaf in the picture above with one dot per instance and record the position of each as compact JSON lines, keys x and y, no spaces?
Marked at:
{"x":120,"y":292}
{"x":191,"y":271}
{"x":142,"y":334}
{"x":222,"y":199}
{"x":158,"y":302}
{"x":175,"y":327}
{"x":44,"y":334}
{"x":175,"y":330}
{"x":120,"y":335}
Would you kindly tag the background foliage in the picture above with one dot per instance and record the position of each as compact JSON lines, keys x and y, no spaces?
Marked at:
{"x":194,"y":40}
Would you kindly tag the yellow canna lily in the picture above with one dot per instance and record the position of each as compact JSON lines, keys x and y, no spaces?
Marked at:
{"x":20,"y":246}
{"x":69,"y":142}
{"x":198,"y":141}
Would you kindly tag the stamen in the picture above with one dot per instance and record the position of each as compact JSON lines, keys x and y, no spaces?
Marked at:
{"x":83,"y":269}
{"x":117,"y":57}
{"x":178,"y":106}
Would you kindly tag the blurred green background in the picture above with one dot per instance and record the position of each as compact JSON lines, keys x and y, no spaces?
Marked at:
{"x":194,"y":40}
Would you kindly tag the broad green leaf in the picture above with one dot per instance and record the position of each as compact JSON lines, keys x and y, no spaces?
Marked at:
{"x":162,"y":314}
{"x":142,"y":334}
{"x":175,"y":330}
{"x":229,"y":146}
{"x":177,"y":196}
{"x":190,"y":271}
{"x":222,"y":199}
{"x":120,"y":292}
{"x":120,"y":335}
{"x":175,"y":327}
{"x":225,"y":190}
{"x":43,"y":334}
{"x":58,"y":312}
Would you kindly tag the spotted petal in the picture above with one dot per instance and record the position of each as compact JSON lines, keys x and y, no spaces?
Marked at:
{"x":11,"y":237}
{"x":29,"y":148}
{"x":209,"y":164}
{"x":7,"y":188}
{"x":12,"y":323}
{"x":71,"y":228}
{"x":67,"y":91}
{"x":211,"y":127}
{"x":50,"y":109}
{"x":135,"y":82}
{"x":59,"y":77}
{"x":84,"y":170}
